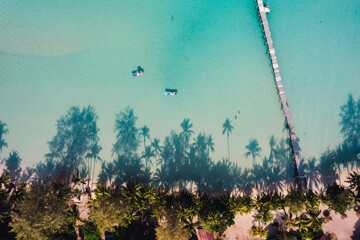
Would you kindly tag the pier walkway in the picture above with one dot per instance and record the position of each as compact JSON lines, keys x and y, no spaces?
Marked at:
{"x":294,"y":143}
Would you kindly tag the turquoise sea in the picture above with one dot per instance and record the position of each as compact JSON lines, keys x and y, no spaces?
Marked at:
{"x":56,"y":54}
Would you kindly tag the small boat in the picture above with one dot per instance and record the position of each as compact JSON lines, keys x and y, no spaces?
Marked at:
{"x":136,"y":73}
{"x":170,"y":92}
{"x":139,"y":71}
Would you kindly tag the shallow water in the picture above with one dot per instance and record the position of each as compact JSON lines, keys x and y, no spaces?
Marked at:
{"x":59,"y":54}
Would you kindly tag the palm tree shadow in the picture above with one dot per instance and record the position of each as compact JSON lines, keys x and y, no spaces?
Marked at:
{"x":356,"y":232}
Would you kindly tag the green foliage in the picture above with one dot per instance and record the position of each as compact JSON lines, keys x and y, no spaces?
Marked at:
{"x":110,"y":208}
{"x":187,"y":206}
{"x":259,"y":231}
{"x":307,"y":235}
{"x":302,"y":222}
{"x":316,"y":220}
{"x":263,"y":215}
{"x":263,"y":206}
{"x":77,"y":183}
{"x":141,"y":198}
{"x":354,"y":185}
{"x":66,"y":234}
{"x":283,"y":235}
{"x":42,"y":212}
{"x":138,"y":211}
{"x":242,"y":205}
{"x":308,"y":221}
{"x":142,"y":228}
{"x":338,"y":198}
{"x":312,"y":200}
{"x":90,"y":231}
{"x":287,"y":218}
{"x":121,"y":206}
{"x":127,"y":207}
{"x":171,"y":227}
{"x":215,"y":214}
{"x":295,"y":200}
{"x":9,"y":194}
{"x":143,"y":202}
{"x":277,"y":200}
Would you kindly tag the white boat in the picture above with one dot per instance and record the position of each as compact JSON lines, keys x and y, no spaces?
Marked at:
{"x":170,"y":92}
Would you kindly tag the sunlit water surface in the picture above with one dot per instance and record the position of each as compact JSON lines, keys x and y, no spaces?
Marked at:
{"x":58,"y":54}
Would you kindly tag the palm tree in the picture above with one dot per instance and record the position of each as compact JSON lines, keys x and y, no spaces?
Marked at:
{"x":3,"y":131}
{"x":144,"y":132}
{"x":312,"y":201}
{"x":94,"y":155}
{"x":287,"y":218}
{"x":186,"y":130}
{"x":227,"y":129}
{"x":316,"y":220}
{"x":253,"y":149}
{"x":263,"y":208}
{"x":210,"y":144}
{"x":354,"y":183}
{"x":295,"y":200}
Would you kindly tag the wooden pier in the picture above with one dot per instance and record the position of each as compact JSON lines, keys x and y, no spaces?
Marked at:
{"x":294,"y":143}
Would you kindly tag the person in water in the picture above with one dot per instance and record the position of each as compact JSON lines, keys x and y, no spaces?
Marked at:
{"x":140,"y":69}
